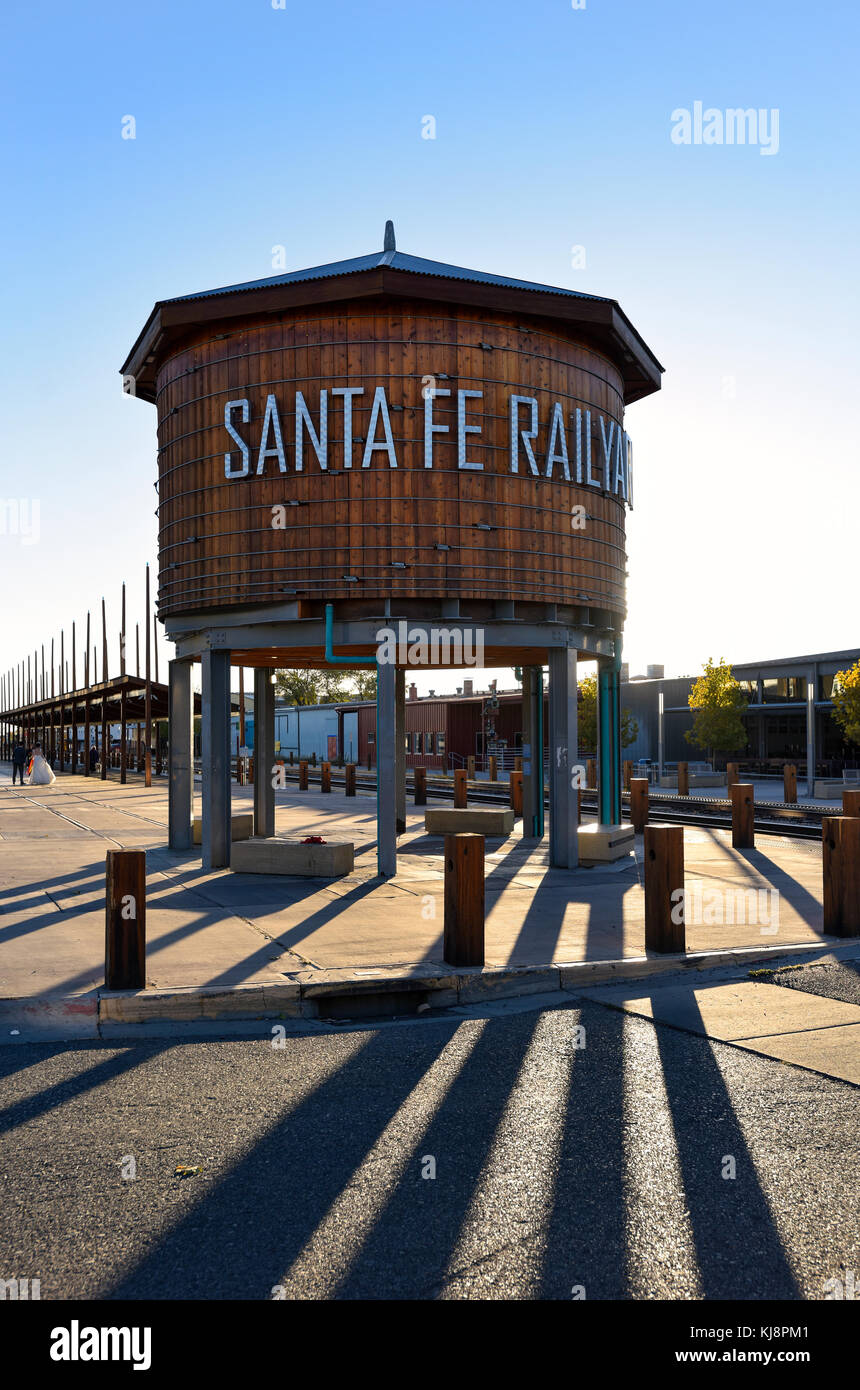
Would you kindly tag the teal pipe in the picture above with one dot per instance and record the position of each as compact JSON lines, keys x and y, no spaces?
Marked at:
{"x":332,"y":656}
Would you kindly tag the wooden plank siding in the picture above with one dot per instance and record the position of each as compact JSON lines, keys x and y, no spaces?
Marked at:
{"x":217,"y":544}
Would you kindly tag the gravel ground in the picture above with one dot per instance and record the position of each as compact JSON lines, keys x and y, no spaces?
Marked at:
{"x":836,"y":980}
{"x":557,"y":1166}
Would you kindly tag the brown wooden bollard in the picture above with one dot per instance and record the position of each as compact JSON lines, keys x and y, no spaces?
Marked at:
{"x":445,"y":764}
{"x":841,"y":871}
{"x":349,"y":775}
{"x":789,"y":783}
{"x":251,"y":771}
{"x":125,"y":919}
{"x":460,"y":788}
{"x":743,"y":816}
{"x":627,"y":773}
{"x":590,"y":773}
{"x":493,"y":766}
{"x":291,"y":757}
{"x":369,"y":757}
{"x":325,"y":777}
{"x":664,"y":885}
{"x":464,"y":900}
{"x":518,"y":764}
{"x":419,"y":785}
{"x":516,"y":790}
{"x":313,"y":759}
{"x":638,"y":803}
{"x":470,"y":768}
{"x":683,"y":779}
{"x":731,"y":777}
{"x":303,"y":776}
{"x":851,"y":803}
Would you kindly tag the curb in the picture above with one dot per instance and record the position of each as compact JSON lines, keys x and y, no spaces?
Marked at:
{"x":341,"y":996}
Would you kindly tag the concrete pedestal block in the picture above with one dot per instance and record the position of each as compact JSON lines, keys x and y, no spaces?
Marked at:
{"x":242,"y":827}
{"x":829,"y":789}
{"x":259,"y":856}
{"x":455,"y":820}
{"x":600,"y":844}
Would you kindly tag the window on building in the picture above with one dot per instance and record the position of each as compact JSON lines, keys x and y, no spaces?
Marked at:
{"x":779,"y":689}
{"x":825,"y":687}
{"x":440,"y":743}
{"x":428,"y":743}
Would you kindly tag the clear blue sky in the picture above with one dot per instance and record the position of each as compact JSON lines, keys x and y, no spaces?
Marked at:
{"x":301,"y":127}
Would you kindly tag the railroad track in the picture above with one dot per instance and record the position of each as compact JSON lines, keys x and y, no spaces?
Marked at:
{"x":771,"y":818}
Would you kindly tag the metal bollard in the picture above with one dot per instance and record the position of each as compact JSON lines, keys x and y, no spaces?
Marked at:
{"x":125,"y":919}
{"x":464,"y":900}
{"x":665,"y":926}
{"x":743,"y":816}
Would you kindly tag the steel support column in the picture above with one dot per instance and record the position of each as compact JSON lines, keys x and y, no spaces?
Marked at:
{"x":264,"y":751}
{"x":563,"y":746}
{"x":215,"y":750}
{"x":609,"y":743}
{"x":400,"y":745}
{"x":180,"y":793}
{"x":532,"y":752}
{"x":386,"y":771}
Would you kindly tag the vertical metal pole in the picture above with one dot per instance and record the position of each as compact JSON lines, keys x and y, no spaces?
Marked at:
{"x":659,"y":736}
{"x":811,"y":753}
{"x":264,"y":751}
{"x":180,"y":796}
{"x":215,"y":724}
{"x":147,"y":699}
{"x":386,"y":772}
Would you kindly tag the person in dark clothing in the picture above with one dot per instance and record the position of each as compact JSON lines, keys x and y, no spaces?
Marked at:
{"x":19,"y":762}
{"x":94,"y":758}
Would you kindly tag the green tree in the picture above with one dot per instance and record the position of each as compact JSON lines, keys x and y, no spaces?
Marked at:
{"x":587,"y":717}
{"x":717,"y":702}
{"x":333,"y":686}
{"x":364,"y":681}
{"x":846,"y":702}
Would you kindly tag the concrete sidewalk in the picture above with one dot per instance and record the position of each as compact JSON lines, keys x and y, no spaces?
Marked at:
{"x":812,"y":1031}
{"x":225,"y":933}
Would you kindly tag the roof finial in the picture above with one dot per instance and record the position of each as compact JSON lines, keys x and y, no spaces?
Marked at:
{"x":389,"y":244}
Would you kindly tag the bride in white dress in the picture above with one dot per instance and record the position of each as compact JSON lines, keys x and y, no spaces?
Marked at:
{"x":41,"y":774}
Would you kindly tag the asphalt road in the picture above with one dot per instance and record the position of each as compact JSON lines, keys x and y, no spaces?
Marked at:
{"x":558,"y":1167}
